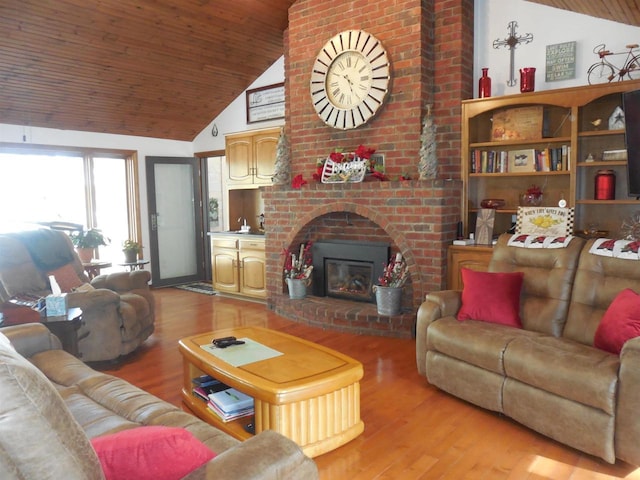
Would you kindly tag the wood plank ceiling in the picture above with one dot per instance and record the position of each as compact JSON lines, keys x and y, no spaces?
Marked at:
{"x":621,"y":11}
{"x":156,"y":68}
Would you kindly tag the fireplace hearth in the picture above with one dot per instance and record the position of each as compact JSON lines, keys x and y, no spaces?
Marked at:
{"x":348,"y":269}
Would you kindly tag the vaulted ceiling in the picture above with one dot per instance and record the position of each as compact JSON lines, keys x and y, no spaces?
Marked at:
{"x":155,"y":68}
{"x":621,"y":11}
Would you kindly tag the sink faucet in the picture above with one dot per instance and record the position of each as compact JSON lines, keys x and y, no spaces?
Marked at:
{"x":244,"y":227}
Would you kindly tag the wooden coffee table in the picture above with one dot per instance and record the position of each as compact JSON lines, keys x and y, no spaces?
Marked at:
{"x":309,"y":393}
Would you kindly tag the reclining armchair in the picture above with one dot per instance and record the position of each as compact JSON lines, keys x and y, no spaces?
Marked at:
{"x":117,"y":309}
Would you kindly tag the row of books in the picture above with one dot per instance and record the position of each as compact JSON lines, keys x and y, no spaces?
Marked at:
{"x":528,"y":160}
{"x":226,"y":402}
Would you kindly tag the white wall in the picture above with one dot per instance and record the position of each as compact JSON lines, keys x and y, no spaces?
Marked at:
{"x":548,"y":26}
{"x":234,"y":118}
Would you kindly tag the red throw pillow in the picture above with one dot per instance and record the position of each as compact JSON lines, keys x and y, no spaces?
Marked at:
{"x":150,"y":453}
{"x":67,"y":278}
{"x":619,"y":323}
{"x":491,"y":297}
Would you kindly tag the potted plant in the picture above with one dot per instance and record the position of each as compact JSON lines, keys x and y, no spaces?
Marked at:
{"x":131,"y":248}
{"x":297,"y":271}
{"x":389,"y":291}
{"x":86,"y":241}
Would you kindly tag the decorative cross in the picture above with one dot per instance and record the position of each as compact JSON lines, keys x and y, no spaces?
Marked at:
{"x":512,"y":42}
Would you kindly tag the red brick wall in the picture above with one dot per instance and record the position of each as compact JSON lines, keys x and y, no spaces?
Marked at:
{"x":418,"y":219}
{"x":430,"y":44}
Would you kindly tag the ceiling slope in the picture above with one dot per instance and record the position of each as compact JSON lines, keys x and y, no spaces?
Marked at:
{"x":155,"y":68}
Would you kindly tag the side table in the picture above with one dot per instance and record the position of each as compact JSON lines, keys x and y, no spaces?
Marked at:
{"x":66,"y":329}
{"x":131,"y":266}
{"x":92,"y":269}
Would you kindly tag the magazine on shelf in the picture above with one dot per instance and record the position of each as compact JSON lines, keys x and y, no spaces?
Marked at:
{"x":231,"y":400}
{"x":205,"y":385}
{"x":227,"y":417}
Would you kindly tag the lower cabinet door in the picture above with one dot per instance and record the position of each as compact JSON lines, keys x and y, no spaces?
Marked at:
{"x":225,"y":271}
{"x":253,"y":274}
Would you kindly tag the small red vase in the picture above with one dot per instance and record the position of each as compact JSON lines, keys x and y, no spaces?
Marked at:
{"x":484,"y":84}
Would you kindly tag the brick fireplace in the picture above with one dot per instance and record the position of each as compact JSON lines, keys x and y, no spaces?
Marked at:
{"x":429,"y":43}
{"x":416,"y":218}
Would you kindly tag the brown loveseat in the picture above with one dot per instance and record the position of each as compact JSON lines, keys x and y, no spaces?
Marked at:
{"x":53,"y":404}
{"x":117,"y":312}
{"x":546,"y":375}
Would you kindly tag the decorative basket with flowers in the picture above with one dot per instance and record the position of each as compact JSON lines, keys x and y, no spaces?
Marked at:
{"x":297,"y":271}
{"x":298,"y":267}
{"x":389,"y":291}
{"x":340,"y":167}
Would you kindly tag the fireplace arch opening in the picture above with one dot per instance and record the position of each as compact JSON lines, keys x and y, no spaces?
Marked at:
{"x":351,"y":229}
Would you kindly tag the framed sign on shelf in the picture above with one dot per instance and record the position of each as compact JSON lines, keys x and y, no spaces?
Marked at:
{"x":265,"y":103}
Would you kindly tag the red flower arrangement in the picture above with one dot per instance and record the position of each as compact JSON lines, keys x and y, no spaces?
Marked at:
{"x":534,"y":191}
{"x":298,"y":182}
{"x":395,"y":272}
{"x":301,"y":266}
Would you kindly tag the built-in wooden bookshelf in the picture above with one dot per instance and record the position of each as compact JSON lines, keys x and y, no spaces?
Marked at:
{"x":574,"y":121}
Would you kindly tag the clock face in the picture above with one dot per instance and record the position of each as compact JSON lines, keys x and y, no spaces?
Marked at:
{"x":350,"y":79}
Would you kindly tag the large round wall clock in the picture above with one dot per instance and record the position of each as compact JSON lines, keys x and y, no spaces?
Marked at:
{"x":350,"y":79}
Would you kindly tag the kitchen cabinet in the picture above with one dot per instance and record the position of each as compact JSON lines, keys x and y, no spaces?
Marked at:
{"x":251,"y":158}
{"x":239,"y":264}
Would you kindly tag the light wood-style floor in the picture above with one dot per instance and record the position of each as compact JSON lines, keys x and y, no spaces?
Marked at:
{"x":412,"y":430}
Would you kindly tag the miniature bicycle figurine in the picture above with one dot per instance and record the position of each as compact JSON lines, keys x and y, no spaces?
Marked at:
{"x":604,"y":71}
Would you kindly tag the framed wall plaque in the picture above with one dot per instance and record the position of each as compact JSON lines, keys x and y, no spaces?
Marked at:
{"x":265,"y":103}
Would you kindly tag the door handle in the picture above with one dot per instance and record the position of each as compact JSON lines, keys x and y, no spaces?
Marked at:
{"x":154,"y":221}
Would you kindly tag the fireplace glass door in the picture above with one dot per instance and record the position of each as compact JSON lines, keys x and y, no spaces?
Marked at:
{"x":349,"y":279}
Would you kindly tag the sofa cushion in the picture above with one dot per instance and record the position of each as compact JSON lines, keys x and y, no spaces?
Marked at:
{"x":478,"y":343}
{"x":548,"y":280}
{"x":150,"y":453}
{"x":491,"y":297}
{"x":598,"y":281}
{"x":565,"y":368}
{"x":620,"y":322}
{"x":67,"y":278}
{"x":38,"y":436}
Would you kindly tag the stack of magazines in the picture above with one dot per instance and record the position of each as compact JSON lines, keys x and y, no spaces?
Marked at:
{"x":205,"y":385}
{"x":230,"y":404}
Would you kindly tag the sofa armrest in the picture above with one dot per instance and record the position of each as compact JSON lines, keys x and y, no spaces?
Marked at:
{"x":92,"y":299}
{"x":123,"y":281}
{"x":437,"y":305}
{"x":31,"y":338}
{"x":627,"y":420}
{"x":267,"y":456}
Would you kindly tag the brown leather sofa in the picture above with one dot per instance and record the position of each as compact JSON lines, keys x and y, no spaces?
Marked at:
{"x":53,"y":404}
{"x":547,"y":375}
{"x":118,"y":313}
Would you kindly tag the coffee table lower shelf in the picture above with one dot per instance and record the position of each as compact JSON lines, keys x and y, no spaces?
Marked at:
{"x":319,"y":424}
{"x":320,"y":414}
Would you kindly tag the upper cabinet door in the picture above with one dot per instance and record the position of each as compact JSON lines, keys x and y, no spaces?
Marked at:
{"x":240,"y":159}
{"x":265,"y":145}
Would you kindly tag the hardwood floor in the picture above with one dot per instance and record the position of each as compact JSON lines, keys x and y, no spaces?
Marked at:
{"x":412,"y":430}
